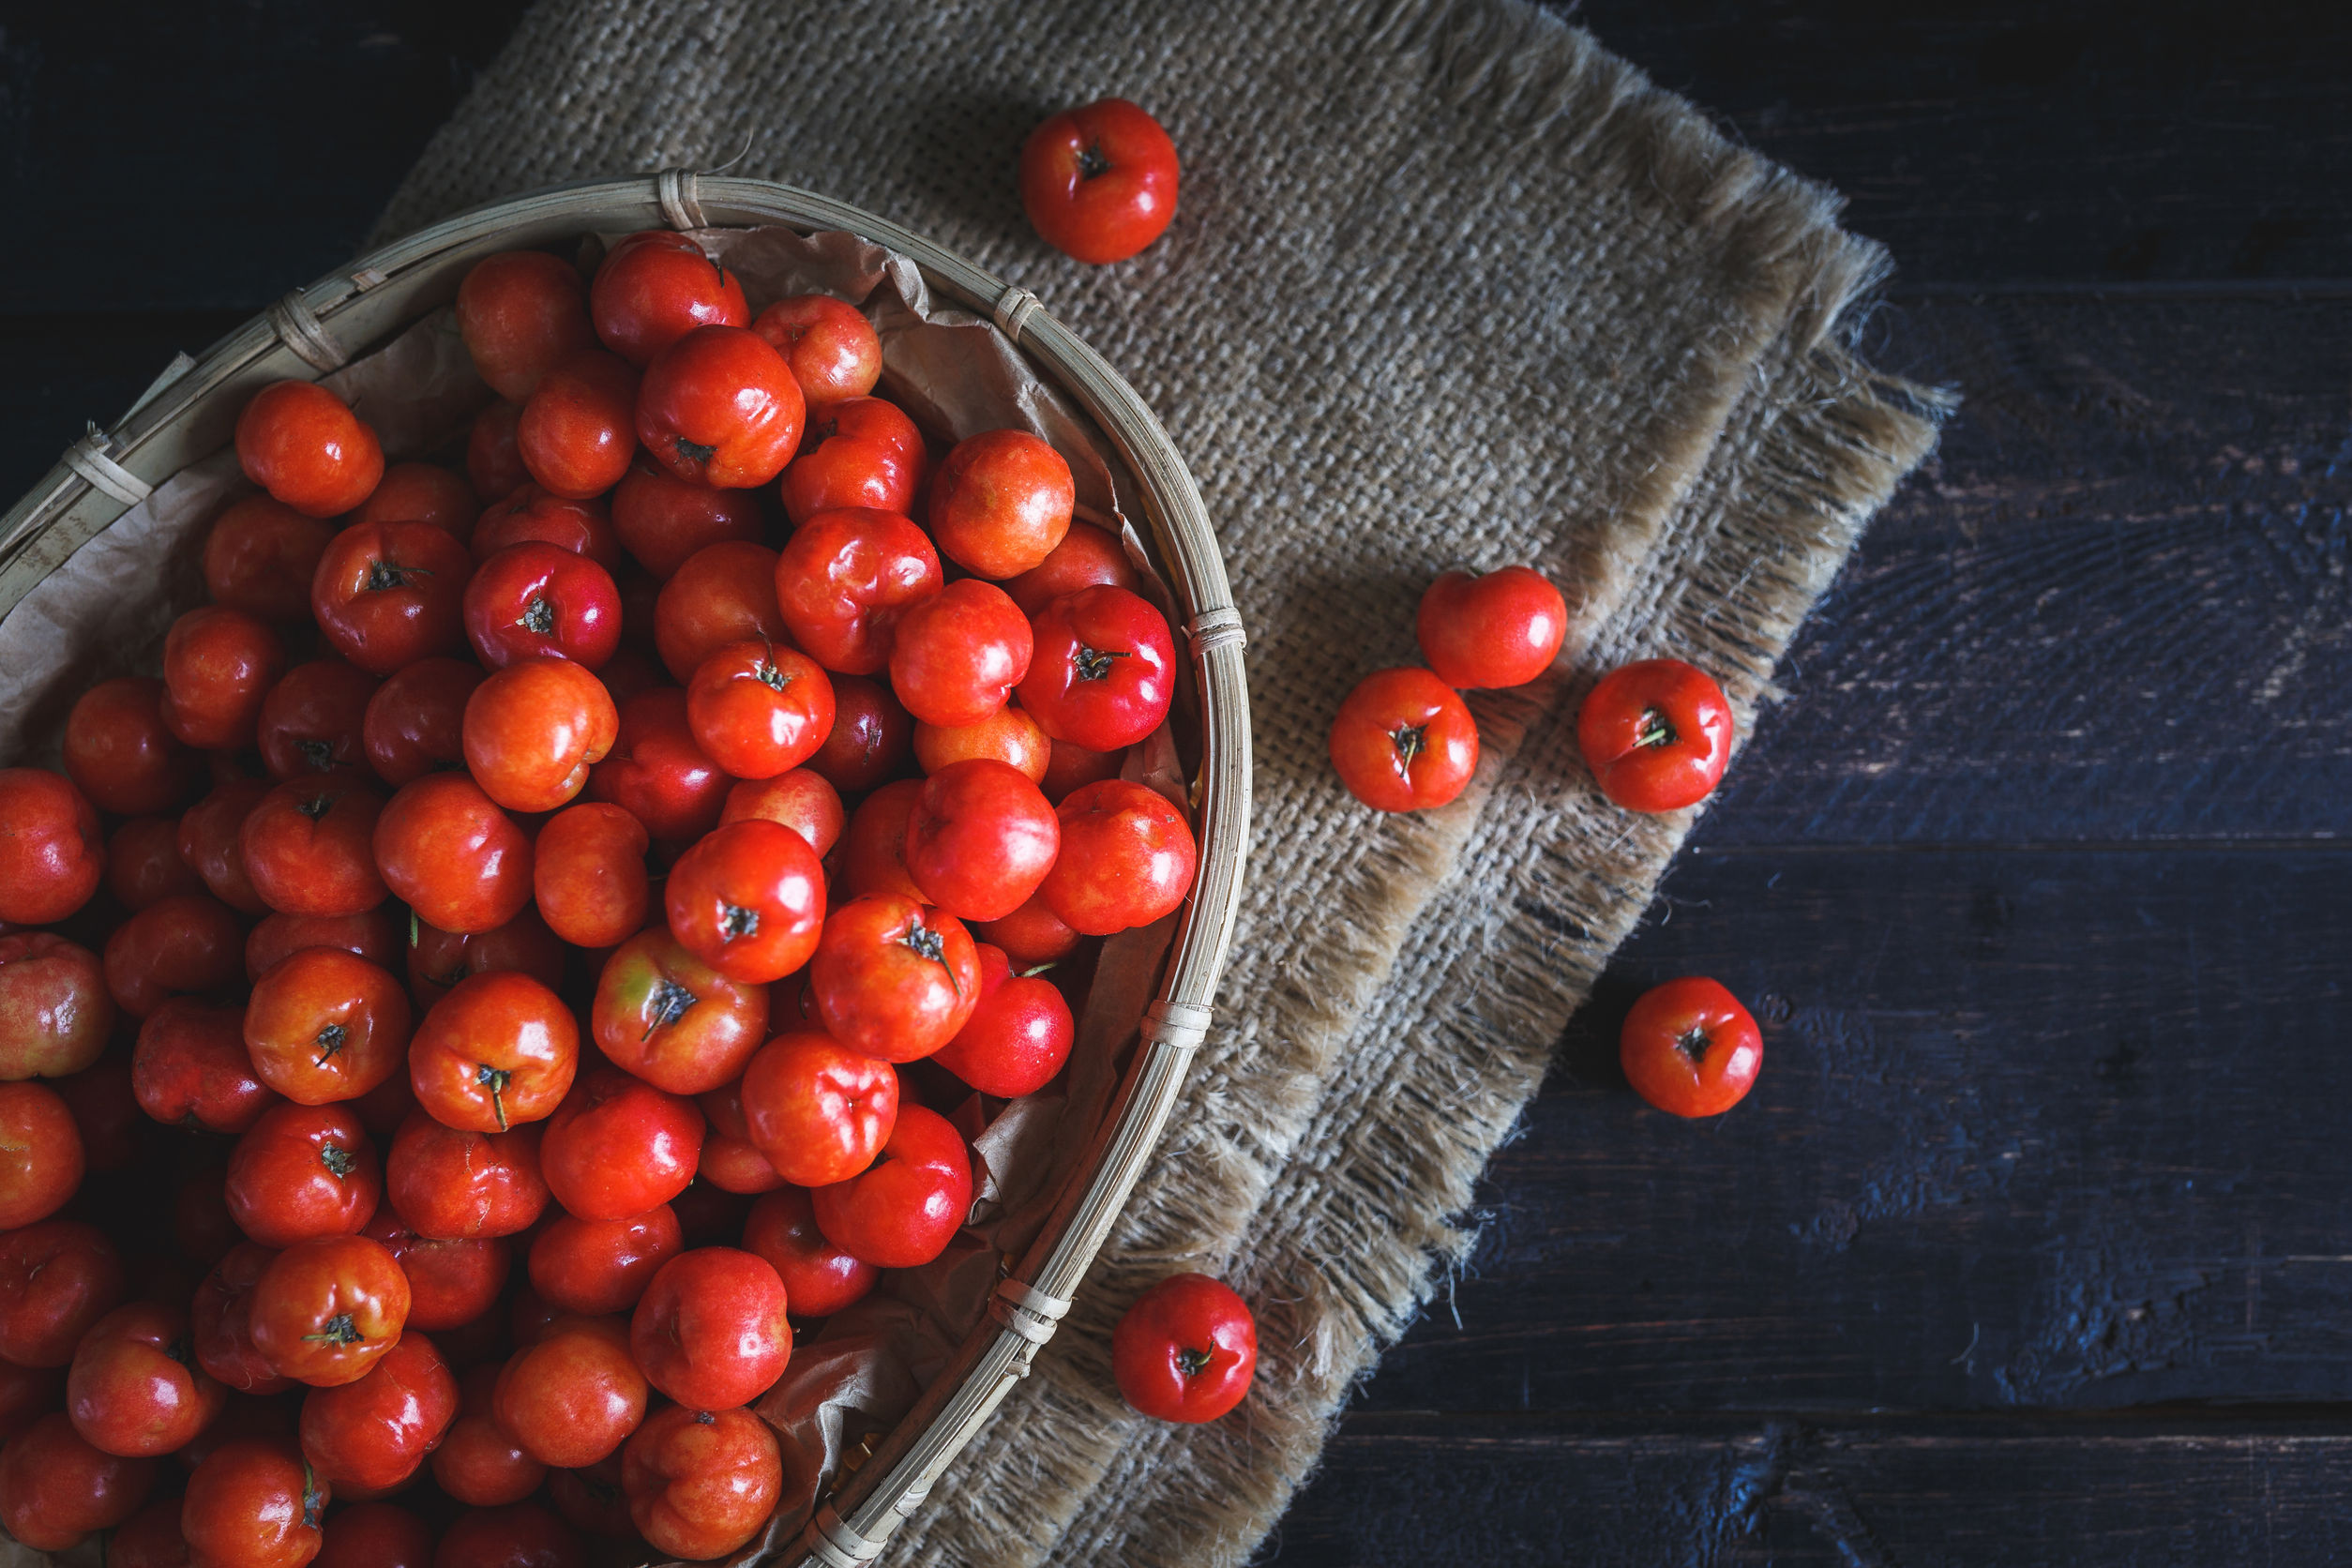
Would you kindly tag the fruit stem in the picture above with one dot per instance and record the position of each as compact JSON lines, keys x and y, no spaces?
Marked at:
{"x":1693,"y":1043}
{"x":1653,"y":729}
{"x":1192,"y":1362}
{"x":330,"y":1040}
{"x":338,"y":1330}
{"x":1094,"y":664}
{"x":495,"y":1080}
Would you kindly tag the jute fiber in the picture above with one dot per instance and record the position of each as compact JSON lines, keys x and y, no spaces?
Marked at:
{"x":1449,"y":285}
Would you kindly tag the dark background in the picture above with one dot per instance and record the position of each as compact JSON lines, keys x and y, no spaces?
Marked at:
{"x":2035,"y":1242}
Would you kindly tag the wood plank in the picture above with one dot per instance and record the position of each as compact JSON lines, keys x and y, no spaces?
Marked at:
{"x":2073,"y":141}
{"x":1860,"y":1492}
{"x":2118,"y":605}
{"x":2056,"y":1127}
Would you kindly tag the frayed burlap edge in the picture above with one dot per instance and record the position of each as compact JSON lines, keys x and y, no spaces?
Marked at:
{"x":1327,"y":1183}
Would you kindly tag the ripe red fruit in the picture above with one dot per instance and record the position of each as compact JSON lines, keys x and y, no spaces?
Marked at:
{"x":1031,"y":934}
{"x":1016,"y":1038}
{"x":533,"y":731}
{"x":1009,"y":735}
{"x":958,"y":654}
{"x":665,"y":1015}
{"x":56,"y":1488}
{"x":576,"y":434}
{"x":328,"y":1309}
{"x":369,"y":934}
{"x":186,"y":942}
{"x":1087,"y":557}
{"x":722,"y":593}
{"x":493,"y":465}
{"x":260,"y":556}
{"x":588,"y":874}
{"x":499,"y":1050}
{"x":832,"y":348}
{"x":1001,"y":504}
{"x":218,"y":664}
{"x":1502,"y":630}
{"x":121,"y":754}
{"x":326,"y":1025}
{"x":719,"y":407}
{"x":573,"y":1395}
{"x":1099,"y":182}
{"x":421,"y":493}
{"x":618,"y":1146}
{"x":313,"y":719}
{"x":1656,"y":734}
{"x":529,"y":515}
{"x":749,"y":899}
{"x":801,"y":800}
{"x":656,"y":773}
{"x":894,"y":978}
{"x":452,"y":1280}
{"x":701,"y":1483}
{"x":519,"y":311}
{"x":711,"y":1331}
{"x":452,"y":1183}
{"x":51,"y":854}
{"x":133,"y":1389}
{"x":190,"y":1068}
{"x":820,"y":1279}
{"x":255,"y":1503}
{"x":373,"y":1433}
{"x":303,"y":1171}
{"x":1185,"y":1350}
{"x":1127,"y":858}
{"x":863,"y":452}
{"x":1690,"y":1049}
{"x":654,"y":287}
{"x":598,"y":1266}
{"x":871,"y":736}
{"x":479,"y":1462}
{"x":1105,"y":669}
{"x":534,"y":599}
{"x":388,"y":594}
{"x":439,"y":961}
{"x":221,"y":1322}
{"x":414,"y":722}
{"x":817,"y":1111}
{"x":309,"y":845}
{"x":758,"y":709}
{"x":144,"y":863}
{"x":845,"y":577}
{"x":980,"y":840}
{"x":211,"y":845}
{"x":41,"y":1158}
{"x":55,"y":1012}
{"x":302,"y":444}
{"x":447,"y":852}
{"x":902,"y":1211}
{"x":1403,"y":741}
{"x":662,"y":520}
{"x":56,"y":1279}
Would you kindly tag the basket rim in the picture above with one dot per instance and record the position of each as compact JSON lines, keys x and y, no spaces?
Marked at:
{"x":103,"y":476}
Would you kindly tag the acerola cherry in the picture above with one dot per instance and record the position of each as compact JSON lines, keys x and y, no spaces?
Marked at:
{"x":447,"y":852}
{"x":414,"y":722}
{"x":731,"y":1161}
{"x":133,"y":1389}
{"x":722,"y":593}
{"x":980,"y":840}
{"x":499,"y":1050}
{"x":144,"y":863}
{"x":719,"y":407}
{"x":958,"y":655}
{"x":1690,"y":1049}
{"x":711,"y":1331}
{"x":1087,"y":557}
{"x":421,"y":493}
{"x":534,"y":599}
{"x":55,"y":1012}
{"x":1185,"y":1350}
{"x":1001,"y":504}
{"x":758,"y":709}
{"x":493,"y":466}
{"x":519,"y":313}
{"x":1017,"y":1037}
{"x":1656,"y":734}
{"x":260,"y":556}
{"x":801,"y":800}
{"x":662,"y":520}
{"x":388,"y":594}
{"x":665,"y":1015}
{"x":820,"y":1279}
{"x":452,"y":1280}
{"x":1009,"y":735}
{"x":701,"y":1483}
{"x":51,"y":854}
{"x":452,"y":1183}
{"x":479,"y":1462}
{"x":845,"y":577}
{"x":832,"y":348}
{"x":186,"y":942}
{"x":871,"y":737}
{"x":818,"y":1110}
{"x":309,"y":845}
{"x":328,"y":1309}
{"x":56,"y":1279}
{"x":577,"y":433}
{"x":597,"y":1266}
{"x":1105,"y":669}
{"x":56,"y":1488}
{"x":863,"y":452}
{"x":534,"y":730}
{"x":374,"y":1432}
{"x":211,"y":845}
{"x":221,"y":1322}
{"x":190,"y":1068}
{"x":573,"y":1395}
{"x":326,"y":1025}
{"x":121,"y":754}
{"x":255,"y":1503}
{"x":618,"y":1146}
{"x":588,"y":874}
{"x":903,"y":1210}
{"x":303,"y":1171}
{"x":302,"y":444}
{"x":656,"y":773}
{"x":1099,"y":182}
{"x":656,"y":286}
{"x":1127,"y":858}
{"x":749,"y":899}
{"x":1031,"y":934}
{"x":41,"y":1159}
{"x":894,"y":978}
{"x":369,"y":934}
{"x":314,"y":719}
{"x":1403,"y":741}
{"x":1502,"y":630}
{"x":218,"y":666}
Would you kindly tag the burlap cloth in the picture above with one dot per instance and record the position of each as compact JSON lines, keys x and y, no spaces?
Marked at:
{"x":1449,"y":285}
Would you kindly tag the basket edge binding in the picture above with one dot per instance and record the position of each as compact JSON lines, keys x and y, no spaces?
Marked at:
{"x":180,"y":418}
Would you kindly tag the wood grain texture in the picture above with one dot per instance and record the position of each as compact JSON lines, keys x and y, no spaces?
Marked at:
{"x":1860,"y":1492}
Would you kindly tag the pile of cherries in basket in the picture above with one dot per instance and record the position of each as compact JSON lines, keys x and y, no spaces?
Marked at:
{"x":578,"y":889}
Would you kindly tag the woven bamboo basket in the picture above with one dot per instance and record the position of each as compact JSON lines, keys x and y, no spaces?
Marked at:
{"x":190,"y":413}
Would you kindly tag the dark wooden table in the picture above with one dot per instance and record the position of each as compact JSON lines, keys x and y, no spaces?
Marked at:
{"x":2035,"y":1243}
